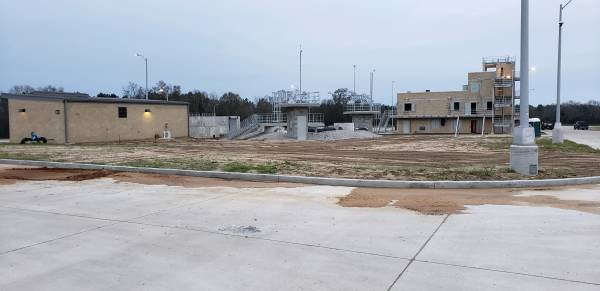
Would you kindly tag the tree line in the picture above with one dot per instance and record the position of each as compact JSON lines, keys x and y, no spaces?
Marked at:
{"x":233,"y":104}
{"x":570,"y":112}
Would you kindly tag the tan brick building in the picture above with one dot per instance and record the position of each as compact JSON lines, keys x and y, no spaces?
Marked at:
{"x":485,"y":103}
{"x":79,"y":118}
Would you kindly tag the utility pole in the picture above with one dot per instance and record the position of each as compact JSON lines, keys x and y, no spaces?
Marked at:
{"x":300,"y":69}
{"x":393,"y":83}
{"x":354,"y":88}
{"x":371,"y":87}
{"x":557,"y":134}
{"x":145,"y":60}
{"x":524,"y":151}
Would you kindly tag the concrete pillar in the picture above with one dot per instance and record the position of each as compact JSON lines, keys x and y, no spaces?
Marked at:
{"x":302,"y":127}
{"x":524,"y":151}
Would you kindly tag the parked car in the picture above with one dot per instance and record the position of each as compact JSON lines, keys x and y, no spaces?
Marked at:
{"x":329,"y":128}
{"x":581,"y":125}
{"x":547,"y":125}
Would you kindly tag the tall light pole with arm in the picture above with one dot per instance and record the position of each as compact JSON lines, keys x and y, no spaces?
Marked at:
{"x":557,"y":134}
{"x":524,"y":151}
{"x":145,"y":60}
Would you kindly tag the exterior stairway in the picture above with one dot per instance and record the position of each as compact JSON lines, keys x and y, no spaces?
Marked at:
{"x":248,"y":125}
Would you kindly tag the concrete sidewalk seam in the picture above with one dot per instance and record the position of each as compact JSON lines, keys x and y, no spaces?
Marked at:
{"x":344,"y":182}
{"x":418,"y":252}
{"x":507,"y":272}
{"x":57,"y":238}
{"x":117,"y":221}
{"x":266,"y":239}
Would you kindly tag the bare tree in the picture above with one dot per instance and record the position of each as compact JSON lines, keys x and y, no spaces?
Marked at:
{"x":50,"y":88}
{"x":133,"y":91}
{"x":21,"y":89}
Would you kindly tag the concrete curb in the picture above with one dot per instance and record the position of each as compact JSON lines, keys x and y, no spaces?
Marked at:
{"x":317,"y":180}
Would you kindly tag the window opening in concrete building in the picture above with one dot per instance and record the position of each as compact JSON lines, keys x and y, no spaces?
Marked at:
{"x":489,"y":105}
{"x":456,"y":106}
{"x":122,"y":112}
{"x":473,"y":108}
{"x":408,"y":107}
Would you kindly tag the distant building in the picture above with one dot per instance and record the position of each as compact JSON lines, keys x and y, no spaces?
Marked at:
{"x":79,"y":118}
{"x":486,"y":103}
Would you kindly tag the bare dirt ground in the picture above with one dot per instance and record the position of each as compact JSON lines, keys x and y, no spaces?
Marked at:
{"x":449,"y":201}
{"x":387,"y":157}
{"x":10,"y":174}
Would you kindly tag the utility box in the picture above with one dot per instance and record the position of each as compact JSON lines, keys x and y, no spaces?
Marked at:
{"x":536,"y":123}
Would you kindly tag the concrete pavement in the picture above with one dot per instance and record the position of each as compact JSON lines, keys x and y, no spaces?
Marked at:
{"x":588,"y":137}
{"x":107,"y":235}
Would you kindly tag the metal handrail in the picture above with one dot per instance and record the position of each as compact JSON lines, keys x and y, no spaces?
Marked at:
{"x":247,"y":124}
{"x":316,"y":117}
{"x":361,"y":107}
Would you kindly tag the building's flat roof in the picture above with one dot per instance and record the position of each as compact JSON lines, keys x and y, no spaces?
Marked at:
{"x":434,"y":92}
{"x":85,"y":98}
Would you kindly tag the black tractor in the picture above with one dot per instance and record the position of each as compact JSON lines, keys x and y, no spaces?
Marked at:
{"x":34,"y":139}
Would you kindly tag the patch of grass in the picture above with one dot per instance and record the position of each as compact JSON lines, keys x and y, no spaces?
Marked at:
{"x":24,"y":156}
{"x":266,"y":168}
{"x":237,"y":167}
{"x":567,"y":146}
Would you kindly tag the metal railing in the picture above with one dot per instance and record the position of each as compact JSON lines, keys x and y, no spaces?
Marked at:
{"x":277,"y":117}
{"x":503,"y":83}
{"x":316,"y":117}
{"x":475,"y":113}
{"x":247,"y":125}
{"x":361,"y":107}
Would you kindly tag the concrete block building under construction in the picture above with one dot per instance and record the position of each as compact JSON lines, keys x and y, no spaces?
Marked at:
{"x":485,"y":105}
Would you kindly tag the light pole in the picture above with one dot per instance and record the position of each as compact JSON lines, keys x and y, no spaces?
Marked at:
{"x":354,"y":88}
{"x":166,"y":91}
{"x":300,"y":69}
{"x":524,"y":151}
{"x":393,"y":83}
{"x":557,"y":134}
{"x":371,"y":90}
{"x":145,"y":60}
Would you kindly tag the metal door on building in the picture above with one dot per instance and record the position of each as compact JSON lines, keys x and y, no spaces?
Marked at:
{"x":406,"y":126}
{"x":474,"y":126}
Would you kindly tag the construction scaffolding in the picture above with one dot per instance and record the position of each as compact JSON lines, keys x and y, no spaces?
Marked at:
{"x":504,"y":112}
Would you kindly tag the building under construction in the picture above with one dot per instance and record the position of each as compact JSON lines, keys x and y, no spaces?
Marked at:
{"x":485,"y":105}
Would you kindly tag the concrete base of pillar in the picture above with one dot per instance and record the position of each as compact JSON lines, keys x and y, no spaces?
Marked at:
{"x":523,"y":136}
{"x":557,"y":134}
{"x":524,"y":159}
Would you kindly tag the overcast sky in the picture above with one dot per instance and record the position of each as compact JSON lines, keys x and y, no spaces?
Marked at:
{"x":251,"y":47}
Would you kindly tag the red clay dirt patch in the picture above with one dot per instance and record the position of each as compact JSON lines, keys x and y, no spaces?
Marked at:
{"x":449,"y":201}
{"x":39,"y":174}
{"x":12,"y":174}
